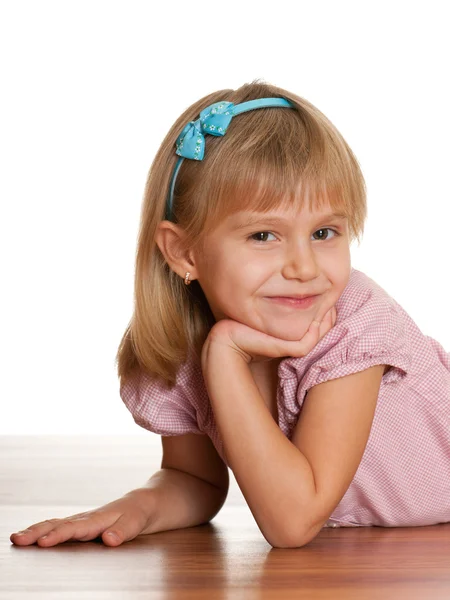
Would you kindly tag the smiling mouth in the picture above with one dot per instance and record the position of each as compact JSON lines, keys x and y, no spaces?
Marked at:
{"x":296,"y":297}
{"x":304,"y":302}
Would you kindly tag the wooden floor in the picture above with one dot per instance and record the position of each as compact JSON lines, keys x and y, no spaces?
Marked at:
{"x":43,"y":477}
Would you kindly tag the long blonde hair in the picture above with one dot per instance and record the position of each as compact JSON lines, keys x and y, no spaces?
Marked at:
{"x":267,"y":159}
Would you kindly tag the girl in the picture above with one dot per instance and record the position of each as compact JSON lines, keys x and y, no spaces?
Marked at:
{"x":255,"y":345}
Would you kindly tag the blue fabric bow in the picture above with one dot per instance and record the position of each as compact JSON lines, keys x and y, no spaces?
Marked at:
{"x":214,"y":119}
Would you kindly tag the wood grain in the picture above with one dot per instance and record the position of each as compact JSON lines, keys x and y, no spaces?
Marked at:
{"x":43,"y":477}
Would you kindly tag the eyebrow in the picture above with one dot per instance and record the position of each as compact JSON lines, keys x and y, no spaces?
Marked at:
{"x":253,"y":220}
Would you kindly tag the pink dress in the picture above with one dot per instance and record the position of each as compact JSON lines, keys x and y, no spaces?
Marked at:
{"x":403,"y":479}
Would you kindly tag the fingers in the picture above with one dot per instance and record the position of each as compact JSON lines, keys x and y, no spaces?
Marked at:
{"x":79,"y":528}
{"x":29,"y":535}
{"x":82,"y":526}
{"x":126,"y":528}
{"x":125,"y":519}
{"x":333,"y":315}
{"x":316,"y":331}
{"x":327,"y":322}
{"x":323,"y":326}
{"x":324,"y":312}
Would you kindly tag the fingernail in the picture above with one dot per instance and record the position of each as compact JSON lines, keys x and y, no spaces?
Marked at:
{"x":43,"y":537}
{"x":113,"y":535}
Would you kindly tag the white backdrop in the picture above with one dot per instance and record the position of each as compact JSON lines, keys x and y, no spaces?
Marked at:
{"x":90,"y":88}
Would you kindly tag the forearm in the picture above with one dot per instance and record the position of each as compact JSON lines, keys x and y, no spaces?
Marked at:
{"x":274,"y":476}
{"x":177,"y":500}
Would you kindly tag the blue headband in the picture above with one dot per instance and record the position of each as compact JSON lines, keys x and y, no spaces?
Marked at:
{"x":214,"y":119}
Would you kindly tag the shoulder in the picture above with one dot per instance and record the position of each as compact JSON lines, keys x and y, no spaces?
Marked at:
{"x":164,"y":410}
{"x":367,"y":309}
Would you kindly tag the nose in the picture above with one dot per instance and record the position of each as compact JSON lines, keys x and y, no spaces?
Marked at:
{"x":300,"y":262}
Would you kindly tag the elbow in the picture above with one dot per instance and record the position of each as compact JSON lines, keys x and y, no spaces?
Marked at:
{"x":290,"y":542}
{"x":290,"y":538}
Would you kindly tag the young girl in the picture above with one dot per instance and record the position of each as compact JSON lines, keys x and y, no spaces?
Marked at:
{"x":255,"y":345}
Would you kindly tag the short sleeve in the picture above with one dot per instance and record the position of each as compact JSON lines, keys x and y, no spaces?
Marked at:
{"x":375,"y":333}
{"x":158,"y":409}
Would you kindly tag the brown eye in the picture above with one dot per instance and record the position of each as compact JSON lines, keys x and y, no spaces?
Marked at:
{"x":322,"y":234}
{"x":256,"y":237}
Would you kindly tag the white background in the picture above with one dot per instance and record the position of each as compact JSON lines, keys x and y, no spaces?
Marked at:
{"x":89,"y":90}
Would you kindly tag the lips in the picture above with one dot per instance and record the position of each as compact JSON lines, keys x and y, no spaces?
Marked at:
{"x":298,"y":297}
{"x":294,"y":302}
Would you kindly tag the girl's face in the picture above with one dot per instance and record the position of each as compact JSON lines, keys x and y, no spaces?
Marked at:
{"x":280,"y":254}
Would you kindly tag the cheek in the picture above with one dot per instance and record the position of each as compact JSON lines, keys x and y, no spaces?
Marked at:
{"x":339,"y":282}
{"x":242,"y":273}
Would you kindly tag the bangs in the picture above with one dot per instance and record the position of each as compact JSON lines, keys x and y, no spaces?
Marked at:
{"x":271,"y":188}
{"x":272,"y":179}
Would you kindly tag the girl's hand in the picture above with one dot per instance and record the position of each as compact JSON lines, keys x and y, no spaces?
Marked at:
{"x":256,"y":346}
{"x":128,"y":517}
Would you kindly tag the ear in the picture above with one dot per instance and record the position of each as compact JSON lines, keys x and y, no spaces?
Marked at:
{"x":171,"y":240}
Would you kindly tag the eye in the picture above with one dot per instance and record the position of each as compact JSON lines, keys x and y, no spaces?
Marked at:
{"x":264,"y":233}
{"x":323,"y":237}
{"x":327,"y":229}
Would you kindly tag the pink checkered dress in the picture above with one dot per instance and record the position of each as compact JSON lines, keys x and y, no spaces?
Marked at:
{"x":403,"y":478}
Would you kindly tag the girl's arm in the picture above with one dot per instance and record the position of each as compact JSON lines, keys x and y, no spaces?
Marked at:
{"x":291,"y":487}
{"x":188,"y":490}
{"x":176,"y":499}
{"x":191,"y":486}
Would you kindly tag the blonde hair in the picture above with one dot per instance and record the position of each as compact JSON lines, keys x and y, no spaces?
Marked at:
{"x":269,"y":158}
